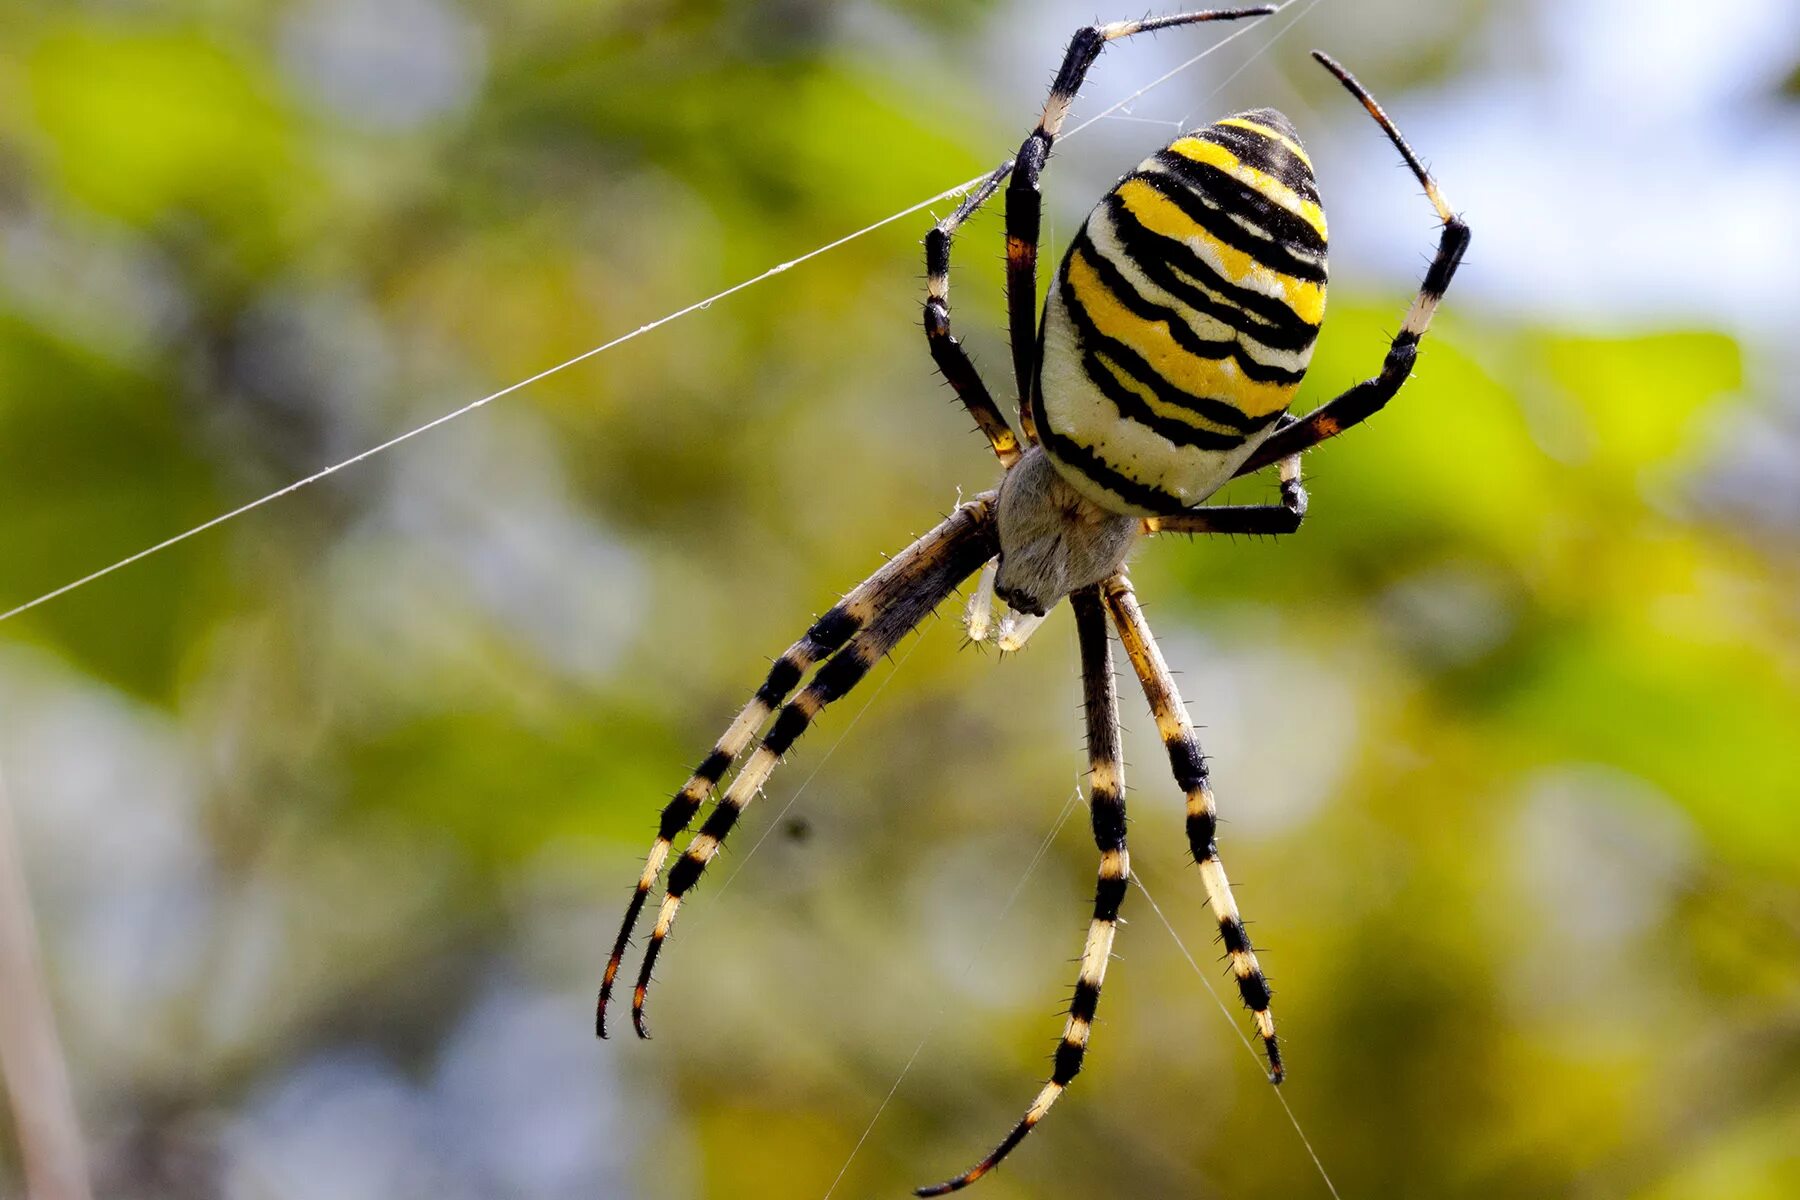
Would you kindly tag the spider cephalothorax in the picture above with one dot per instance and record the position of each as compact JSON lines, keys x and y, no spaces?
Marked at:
{"x":1053,"y":539}
{"x":1175,"y":334}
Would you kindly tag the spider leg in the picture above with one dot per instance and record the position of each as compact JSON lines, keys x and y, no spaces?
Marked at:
{"x":827,"y":635}
{"x":1244,"y":518}
{"x":946,"y":350}
{"x":1024,"y":201}
{"x":899,"y":596}
{"x":1367,"y":398}
{"x":1202,"y":817}
{"x":1107,"y":804}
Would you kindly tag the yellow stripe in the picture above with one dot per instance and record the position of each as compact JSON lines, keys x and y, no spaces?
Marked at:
{"x":1265,"y":184}
{"x":1272,"y":135}
{"x":1157,"y":405}
{"x":1219,"y":379}
{"x":1161,"y":215}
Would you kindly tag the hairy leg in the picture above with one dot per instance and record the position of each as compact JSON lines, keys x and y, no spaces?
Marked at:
{"x":1106,"y":783}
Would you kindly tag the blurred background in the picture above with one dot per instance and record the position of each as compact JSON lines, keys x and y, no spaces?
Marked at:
{"x":328,"y":815}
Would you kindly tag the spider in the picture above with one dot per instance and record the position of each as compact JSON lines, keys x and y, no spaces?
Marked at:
{"x":1174,"y":336}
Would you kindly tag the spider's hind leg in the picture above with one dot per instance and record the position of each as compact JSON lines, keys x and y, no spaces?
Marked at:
{"x":1371,"y":395}
{"x":1106,"y":782}
{"x":1191,"y":775}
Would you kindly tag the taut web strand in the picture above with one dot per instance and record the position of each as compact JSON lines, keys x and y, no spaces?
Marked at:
{"x":696,"y":306}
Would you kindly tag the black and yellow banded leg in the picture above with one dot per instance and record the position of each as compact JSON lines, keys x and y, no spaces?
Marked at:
{"x":1368,"y":397}
{"x":827,"y":635}
{"x":1106,"y":784}
{"x":1189,"y":765}
{"x":1024,"y":202}
{"x":1243,"y":518}
{"x":900,"y":595}
{"x":946,"y":350}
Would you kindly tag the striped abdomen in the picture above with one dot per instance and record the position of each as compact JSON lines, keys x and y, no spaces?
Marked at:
{"x":1183,"y":317}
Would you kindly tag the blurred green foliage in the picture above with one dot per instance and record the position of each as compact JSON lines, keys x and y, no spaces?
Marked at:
{"x":1504,"y":738}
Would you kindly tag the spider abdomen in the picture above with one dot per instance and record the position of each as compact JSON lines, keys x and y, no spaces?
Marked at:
{"x":1182,"y":318}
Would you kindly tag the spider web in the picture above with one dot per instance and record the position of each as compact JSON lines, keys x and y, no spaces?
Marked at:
{"x":648,"y":327}
{"x":1120,"y":110}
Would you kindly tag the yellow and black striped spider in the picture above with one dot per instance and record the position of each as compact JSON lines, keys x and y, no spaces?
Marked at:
{"x":1174,"y":336}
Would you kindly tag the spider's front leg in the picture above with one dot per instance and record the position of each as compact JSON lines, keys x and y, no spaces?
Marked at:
{"x":1191,"y":775}
{"x":1368,"y":397}
{"x":1024,"y":201}
{"x":946,"y":350}
{"x":1106,"y":800}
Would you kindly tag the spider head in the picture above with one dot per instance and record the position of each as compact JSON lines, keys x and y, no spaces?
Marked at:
{"x":1053,"y":540}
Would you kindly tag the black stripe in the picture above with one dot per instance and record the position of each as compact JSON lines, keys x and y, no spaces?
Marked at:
{"x":1109,"y":894}
{"x":1179,"y":330}
{"x":1256,"y":991}
{"x":676,"y":816}
{"x":719,"y":824}
{"x":1133,"y":407}
{"x":1290,"y":333}
{"x":1086,"y":1001}
{"x":687,"y":869}
{"x":1219,"y":412}
{"x":1202,"y":829}
{"x":1108,"y":817}
{"x":1275,"y":251}
{"x":1237,"y":196}
{"x":1188,"y":763}
{"x":712,"y":768}
{"x":1068,"y":1062}
{"x":684,"y":875}
{"x":782,"y":677}
{"x":1271,"y":118}
{"x":1296,"y":337}
{"x":1152,"y":251}
{"x":1232,"y":933}
{"x":1077,"y":457}
{"x":937,"y":251}
{"x":1083,"y":49}
{"x":827,"y":633}
{"x":843,"y":672}
{"x":787,"y":730}
{"x":1264,"y":153}
{"x":833,"y":629}
{"x":1451,"y":245}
